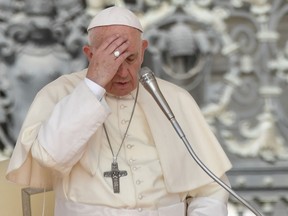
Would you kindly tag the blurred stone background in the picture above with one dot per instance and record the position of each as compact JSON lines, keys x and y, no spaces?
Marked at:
{"x":231,"y":55}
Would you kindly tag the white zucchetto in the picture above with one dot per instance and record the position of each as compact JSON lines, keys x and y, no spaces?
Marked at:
{"x":115,"y":16}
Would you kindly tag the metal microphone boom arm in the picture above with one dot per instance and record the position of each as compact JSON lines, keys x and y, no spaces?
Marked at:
{"x":149,"y":82}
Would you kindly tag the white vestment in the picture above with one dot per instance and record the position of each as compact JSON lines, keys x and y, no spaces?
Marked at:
{"x":80,"y":144}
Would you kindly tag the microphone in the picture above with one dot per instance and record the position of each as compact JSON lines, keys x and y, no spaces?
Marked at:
{"x":148,"y":80}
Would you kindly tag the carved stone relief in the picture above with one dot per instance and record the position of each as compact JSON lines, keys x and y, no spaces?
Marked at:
{"x":231,"y":55}
{"x":40,"y":40}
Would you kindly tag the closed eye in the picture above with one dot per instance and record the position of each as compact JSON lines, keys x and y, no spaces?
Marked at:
{"x":131,"y":58}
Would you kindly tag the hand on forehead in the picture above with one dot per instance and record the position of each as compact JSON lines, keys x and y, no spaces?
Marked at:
{"x":98,"y":35}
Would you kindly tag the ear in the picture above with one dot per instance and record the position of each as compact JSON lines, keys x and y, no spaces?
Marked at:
{"x":87,"y":51}
{"x":144,"y":47}
{"x":144,"y":44}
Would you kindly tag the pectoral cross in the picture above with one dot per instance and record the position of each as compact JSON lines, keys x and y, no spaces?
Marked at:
{"x":115,"y":174}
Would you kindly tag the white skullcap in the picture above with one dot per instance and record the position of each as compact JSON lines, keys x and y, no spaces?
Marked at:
{"x":115,"y":16}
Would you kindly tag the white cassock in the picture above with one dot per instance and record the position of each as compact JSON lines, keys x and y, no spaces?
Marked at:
{"x":64,"y":132}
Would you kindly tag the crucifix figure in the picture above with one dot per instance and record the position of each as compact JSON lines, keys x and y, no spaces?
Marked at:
{"x":115,"y":174}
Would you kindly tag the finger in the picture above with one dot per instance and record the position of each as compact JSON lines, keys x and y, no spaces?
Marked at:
{"x":108,"y":41}
{"x":121,"y":49}
{"x":115,"y":44}
{"x":119,"y":60}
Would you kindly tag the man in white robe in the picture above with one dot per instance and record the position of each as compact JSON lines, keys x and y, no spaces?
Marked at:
{"x":82,"y":124}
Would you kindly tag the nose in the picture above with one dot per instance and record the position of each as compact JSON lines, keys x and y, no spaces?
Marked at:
{"x":122,"y":71}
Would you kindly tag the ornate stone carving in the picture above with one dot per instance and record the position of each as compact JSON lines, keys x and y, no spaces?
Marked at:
{"x":40,"y":41}
{"x":232,"y":56}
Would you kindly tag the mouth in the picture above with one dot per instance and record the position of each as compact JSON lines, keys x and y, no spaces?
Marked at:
{"x":121,"y":83}
{"x":121,"y":87}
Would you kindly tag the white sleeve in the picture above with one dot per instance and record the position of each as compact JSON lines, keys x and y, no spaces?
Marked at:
{"x":62,"y":138}
{"x":209,"y":200}
{"x":95,"y":88}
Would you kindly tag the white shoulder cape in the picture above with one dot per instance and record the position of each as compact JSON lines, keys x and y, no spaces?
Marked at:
{"x":181,"y":173}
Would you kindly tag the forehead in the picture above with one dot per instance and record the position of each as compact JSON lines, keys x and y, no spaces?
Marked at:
{"x":100,"y":34}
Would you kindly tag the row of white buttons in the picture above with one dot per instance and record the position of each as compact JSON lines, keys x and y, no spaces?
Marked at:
{"x":138,"y":182}
{"x":131,"y":161}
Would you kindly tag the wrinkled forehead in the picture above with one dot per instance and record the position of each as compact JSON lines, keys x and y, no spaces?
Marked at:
{"x":102,"y":33}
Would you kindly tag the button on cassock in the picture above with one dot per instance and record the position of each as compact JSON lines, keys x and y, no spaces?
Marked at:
{"x":122,"y":106}
{"x":124,"y":121}
{"x":129,"y":146}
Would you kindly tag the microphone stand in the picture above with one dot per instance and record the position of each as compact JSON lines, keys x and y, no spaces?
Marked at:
{"x":181,"y":134}
{"x":150,"y":84}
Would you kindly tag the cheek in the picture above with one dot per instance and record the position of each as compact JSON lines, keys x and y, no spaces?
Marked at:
{"x":108,"y":87}
{"x":135,"y":79}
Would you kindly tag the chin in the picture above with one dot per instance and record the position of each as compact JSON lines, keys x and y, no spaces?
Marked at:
{"x":119,"y":92}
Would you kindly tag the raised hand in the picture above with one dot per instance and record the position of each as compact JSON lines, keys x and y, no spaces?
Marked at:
{"x":103,"y":63}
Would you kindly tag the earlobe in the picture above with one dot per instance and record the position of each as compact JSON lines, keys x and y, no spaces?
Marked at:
{"x":144,"y":44}
{"x":87,"y":51}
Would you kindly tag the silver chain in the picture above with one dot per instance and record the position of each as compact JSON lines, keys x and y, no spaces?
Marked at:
{"x":125,"y":134}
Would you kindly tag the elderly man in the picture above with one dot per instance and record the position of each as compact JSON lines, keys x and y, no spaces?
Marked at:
{"x":100,"y":140}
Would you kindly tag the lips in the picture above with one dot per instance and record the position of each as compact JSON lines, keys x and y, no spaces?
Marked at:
{"x":121,"y":82}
